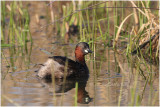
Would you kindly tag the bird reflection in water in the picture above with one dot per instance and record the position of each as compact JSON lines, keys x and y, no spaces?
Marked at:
{"x":63,"y":87}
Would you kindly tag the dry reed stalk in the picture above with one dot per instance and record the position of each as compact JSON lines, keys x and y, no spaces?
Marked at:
{"x":148,"y":32}
{"x":137,"y":8}
{"x":67,"y":27}
{"x":37,"y":18}
{"x":51,"y":9}
{"x":136,"y":19}
{"x":75,"y":21}
{"x":10,"y":100}
{"x":120,"y":27}
{"x":8,"y":7}
{"x":146,"y":11}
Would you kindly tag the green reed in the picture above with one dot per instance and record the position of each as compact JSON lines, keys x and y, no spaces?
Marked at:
{"x":18,"y":30}
{"x":3,"y":56}
{"x":94,"y":72}
{"x":133,"y":89}
{"x":2,"y":37}
{"x":80,"y":25}
{"x":115,"y":19}
{"x":137,"y":99}
{"x":63,"y":23}
{"x":76,"y":94}
{"x":65,"y":76}
{"x":53,"y":84}
{"x":88,"y":21}
{"x":108,"y":24}
{"x":120,"y":96}
{"x":3,"y":13}
{"x":155,"y":98}
{"x":18,"y":36}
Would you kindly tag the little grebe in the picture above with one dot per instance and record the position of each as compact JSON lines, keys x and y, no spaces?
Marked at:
{"x":56,"y":64}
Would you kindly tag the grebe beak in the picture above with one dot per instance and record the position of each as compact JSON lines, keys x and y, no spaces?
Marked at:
{"x":89,"y":51}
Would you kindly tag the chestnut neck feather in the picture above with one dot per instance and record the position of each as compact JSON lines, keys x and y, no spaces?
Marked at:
{"x":79,"y":55}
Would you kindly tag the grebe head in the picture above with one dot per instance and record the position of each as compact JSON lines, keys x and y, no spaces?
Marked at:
{"x":81,"y":50}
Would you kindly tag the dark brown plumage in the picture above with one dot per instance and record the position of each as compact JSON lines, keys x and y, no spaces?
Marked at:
{"x":56,"y":65}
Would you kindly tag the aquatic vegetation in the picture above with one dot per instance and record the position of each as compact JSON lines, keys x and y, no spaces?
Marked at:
{"x":15,"y":29}
{"x":124,"y":37}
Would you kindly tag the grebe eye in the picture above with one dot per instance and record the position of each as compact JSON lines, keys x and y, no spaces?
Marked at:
{"x":86,"y":50}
